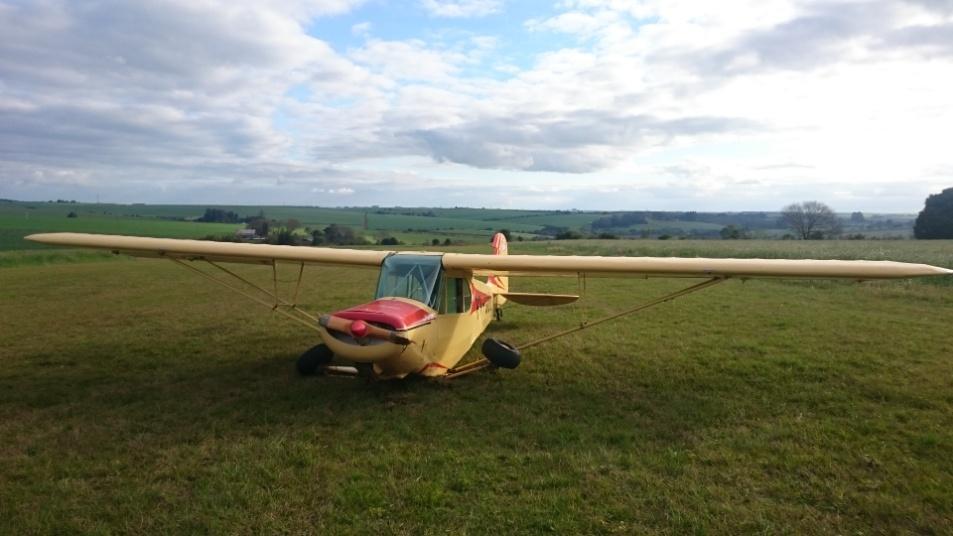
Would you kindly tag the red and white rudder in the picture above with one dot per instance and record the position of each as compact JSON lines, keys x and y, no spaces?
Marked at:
{"x":499,"y":248}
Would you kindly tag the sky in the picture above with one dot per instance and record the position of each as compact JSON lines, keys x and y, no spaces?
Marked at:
{"x":585,"y":104}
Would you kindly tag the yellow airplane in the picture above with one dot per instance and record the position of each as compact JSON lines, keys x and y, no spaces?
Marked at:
{"x":431,"y":307}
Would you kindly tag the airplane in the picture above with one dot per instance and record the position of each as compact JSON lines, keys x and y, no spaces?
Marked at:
{"x":431,"y":307}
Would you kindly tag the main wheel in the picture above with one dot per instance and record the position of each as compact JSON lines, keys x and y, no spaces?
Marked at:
{"x":501,"y":354}
{"x":318,"y":357}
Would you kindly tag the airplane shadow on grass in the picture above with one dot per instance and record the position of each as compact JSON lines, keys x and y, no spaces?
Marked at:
{"x":188,"y":401}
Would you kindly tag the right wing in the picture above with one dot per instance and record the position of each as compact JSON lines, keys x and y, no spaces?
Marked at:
{"x":506,"y":265}
{"x":165,"y":248}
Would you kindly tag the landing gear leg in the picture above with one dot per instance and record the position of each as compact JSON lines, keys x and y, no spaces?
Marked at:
{"x":498,"y":313}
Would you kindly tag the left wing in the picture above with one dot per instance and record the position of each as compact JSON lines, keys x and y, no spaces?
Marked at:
{"x":214,"y":251}
{"x":684,"y":267}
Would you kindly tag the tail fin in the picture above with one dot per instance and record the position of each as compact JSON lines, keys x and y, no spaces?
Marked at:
{"x":499,"y":248}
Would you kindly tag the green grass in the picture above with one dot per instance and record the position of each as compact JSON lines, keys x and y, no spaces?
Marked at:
{"x":470,"y":225}
{"x":135,"y":398}
{"x":18,"y":220}
{"x":54,"y":256}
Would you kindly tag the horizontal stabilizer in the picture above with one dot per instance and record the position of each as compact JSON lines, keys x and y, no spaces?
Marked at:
{"x":540,"y":300}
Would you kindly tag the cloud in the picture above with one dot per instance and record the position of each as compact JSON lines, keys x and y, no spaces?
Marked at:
{"x":173,"y":97}
{"x":91,"y":85}
{"x":407,"y":60}
{"x":461,"y":8}
{"x":580,"y":142}
{"x":362,"y":29}
{"x":929,"y":40}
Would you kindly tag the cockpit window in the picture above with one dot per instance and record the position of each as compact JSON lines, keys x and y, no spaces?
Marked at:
{"x":410,"y":276}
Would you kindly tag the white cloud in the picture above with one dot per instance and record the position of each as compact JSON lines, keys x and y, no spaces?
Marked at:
{"x":461,"y":8}
{"x":743,"y":101}
{"x":362,"y":29}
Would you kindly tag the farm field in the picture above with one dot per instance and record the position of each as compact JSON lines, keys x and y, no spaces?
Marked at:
{"x":19,"y":219}
{"x":136,"y":398}
{"x":411,"y":226}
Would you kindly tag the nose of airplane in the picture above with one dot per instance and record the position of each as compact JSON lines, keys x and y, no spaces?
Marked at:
{"x":398,"y":314}
{"x":361,"y":330}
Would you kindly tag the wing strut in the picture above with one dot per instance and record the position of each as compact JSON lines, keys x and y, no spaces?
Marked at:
{"x":483,"y":362}
{"x":278,"y":305}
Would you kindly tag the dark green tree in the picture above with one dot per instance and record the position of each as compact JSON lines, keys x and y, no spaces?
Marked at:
{"x":284,"y":237}
{"x":339,"y":234}
{"x":261,"y":226}
{"x":317,"y":237}
{"x":733,"y":232}
{"x":936,"y":218}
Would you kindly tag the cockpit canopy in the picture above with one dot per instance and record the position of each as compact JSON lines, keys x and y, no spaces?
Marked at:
{"x":416,"y":277}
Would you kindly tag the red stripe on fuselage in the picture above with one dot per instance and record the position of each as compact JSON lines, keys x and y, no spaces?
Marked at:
{"x":478,"y":299}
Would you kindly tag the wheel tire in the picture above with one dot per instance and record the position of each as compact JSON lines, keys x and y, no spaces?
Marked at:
{"x":501,"y":354}
{"x":318,"y":357}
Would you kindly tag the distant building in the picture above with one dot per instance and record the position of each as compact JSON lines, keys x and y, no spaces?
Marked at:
{"x":246,"y":234}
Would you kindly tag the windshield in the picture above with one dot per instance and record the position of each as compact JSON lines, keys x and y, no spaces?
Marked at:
{"x":410,"y":276}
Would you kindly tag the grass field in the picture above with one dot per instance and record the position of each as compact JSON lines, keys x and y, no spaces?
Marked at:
{"x":412,"y":226}
{"x":20,"y":219}
{"x":136,"y":399}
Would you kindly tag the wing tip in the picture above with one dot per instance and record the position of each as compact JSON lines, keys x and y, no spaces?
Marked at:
{"x":36,"y":237}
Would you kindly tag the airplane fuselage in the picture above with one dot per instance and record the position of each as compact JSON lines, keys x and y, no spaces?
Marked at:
{"x":423,"y":321}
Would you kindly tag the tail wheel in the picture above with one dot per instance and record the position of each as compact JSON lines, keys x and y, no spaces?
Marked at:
{"x":318,"y":357}
{"x":501,"y":354}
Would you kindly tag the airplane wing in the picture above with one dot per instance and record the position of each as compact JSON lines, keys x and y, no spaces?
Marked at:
{"x":541,"y":265}
{"x":213,"y":251}
{"x":499,"y":264}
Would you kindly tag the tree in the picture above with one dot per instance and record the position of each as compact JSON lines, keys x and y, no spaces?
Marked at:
{"x":811,"y":220}
{"x":284,"y":237}
{"x":339,"y":234}
{"x":857,"y":217}
{"x":733,"y":232}
{"x":218,"y":215}
{"x":568,"y":235}
{"x":936,"y":218}
{"x":261,"y":226}
{"x":390,"y":241}
{"x":317,"y":237}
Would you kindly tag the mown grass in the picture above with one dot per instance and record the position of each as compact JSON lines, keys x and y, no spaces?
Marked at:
{"x":54,"y":256}
{"x":135,"y":398}
{"x":13,"y":228}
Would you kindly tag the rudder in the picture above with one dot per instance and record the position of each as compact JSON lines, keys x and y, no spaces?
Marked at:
{"x":499,"y":248}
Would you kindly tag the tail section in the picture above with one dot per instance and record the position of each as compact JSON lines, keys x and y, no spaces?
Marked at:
{"x":499,"y":248}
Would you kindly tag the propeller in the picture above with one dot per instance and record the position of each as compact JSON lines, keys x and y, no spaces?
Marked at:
{"x":361,"y":330}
